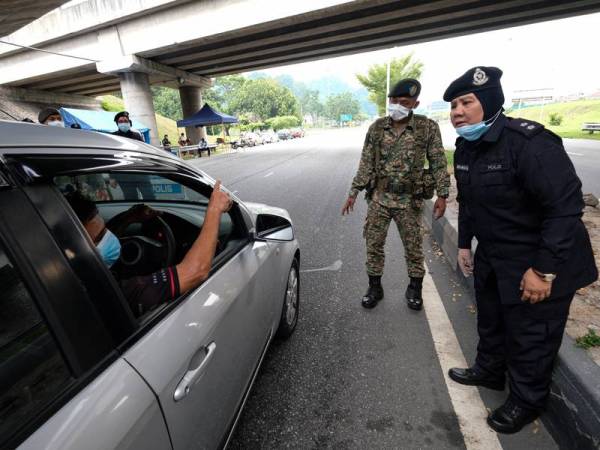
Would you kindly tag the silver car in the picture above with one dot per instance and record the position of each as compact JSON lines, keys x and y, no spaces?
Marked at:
{"x":79,"y":369}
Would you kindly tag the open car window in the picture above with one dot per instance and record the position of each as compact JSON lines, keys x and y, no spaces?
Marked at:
{"x":151,"y":249}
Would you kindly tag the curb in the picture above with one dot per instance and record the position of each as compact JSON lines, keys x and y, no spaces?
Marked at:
{"x":572,"y":415}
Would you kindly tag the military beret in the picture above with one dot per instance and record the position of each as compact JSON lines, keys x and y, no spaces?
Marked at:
{"x":122,"y":114}
{"x":47,"y":112}
{"x":409,"y":87}
{"x":474,"y":80}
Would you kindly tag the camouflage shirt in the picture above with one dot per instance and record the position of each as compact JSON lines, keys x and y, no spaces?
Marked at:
{"x":402,"y":157}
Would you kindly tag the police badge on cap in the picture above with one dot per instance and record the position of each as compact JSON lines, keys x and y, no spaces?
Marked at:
{"x":474,"y":80}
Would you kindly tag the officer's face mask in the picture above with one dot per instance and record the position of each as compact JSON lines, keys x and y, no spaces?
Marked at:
{"x":56,"y":123}
{"x":109,"y":248}
{"x":398,"y":112}
{"x":476,"y":130}
{"x":124,"y":127}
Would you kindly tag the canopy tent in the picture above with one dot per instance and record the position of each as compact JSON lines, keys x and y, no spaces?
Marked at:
{"x":206,"y":117}
{"x":98,"y":121}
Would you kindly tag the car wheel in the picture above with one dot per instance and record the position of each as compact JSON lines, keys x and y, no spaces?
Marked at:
{"x":291,"y":304}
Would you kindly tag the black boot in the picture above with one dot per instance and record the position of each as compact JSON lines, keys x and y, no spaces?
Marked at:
{"x":374,"y":293}
{"x":414,"y":298}
{"x":511,"y":418}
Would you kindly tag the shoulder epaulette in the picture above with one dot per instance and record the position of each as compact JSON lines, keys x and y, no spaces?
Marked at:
{"x":526,"y":127}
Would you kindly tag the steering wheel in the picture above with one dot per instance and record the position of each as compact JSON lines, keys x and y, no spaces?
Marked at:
{"x":141,"y":254}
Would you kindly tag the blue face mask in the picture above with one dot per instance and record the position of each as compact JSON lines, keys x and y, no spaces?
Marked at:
{"x":109,"y":248}
{"x":124,"y":127}
{"x":475,"y":131}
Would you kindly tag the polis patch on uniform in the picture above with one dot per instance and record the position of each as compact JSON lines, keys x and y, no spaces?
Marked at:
{"x":462,"y":167}
{"x":494,"y":167}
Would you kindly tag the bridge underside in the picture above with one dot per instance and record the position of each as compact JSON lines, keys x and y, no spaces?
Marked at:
{"x":18,"y":13}
{"x":349,"y":28}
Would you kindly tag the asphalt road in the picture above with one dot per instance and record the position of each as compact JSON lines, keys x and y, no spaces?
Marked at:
{"x":349,"y":378}
{"x":584,"y":153}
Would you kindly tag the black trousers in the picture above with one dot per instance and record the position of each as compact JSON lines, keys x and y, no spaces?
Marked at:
{"x":521,"y":339}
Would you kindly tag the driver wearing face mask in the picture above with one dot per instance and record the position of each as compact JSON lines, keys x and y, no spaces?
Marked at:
{"x":124,"y":127}
{"x":51,"y":117}
{"x":145,"y":292}
{"x":392,"y":169}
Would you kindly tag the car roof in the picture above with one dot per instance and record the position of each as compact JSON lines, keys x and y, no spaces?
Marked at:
{"x":23,"y":137}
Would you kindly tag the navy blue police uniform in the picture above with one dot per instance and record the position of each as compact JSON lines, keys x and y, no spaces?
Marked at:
{"x":520,"y":197}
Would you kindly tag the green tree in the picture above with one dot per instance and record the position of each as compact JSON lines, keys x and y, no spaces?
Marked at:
{"x":281,"y":122}
{"x":376,"y":79}
{"x":167,"y":102}
{"x":263,"y":98}
{"x":223,"y":89}
{"x":310,"y":103}
{"x":343,"y":103}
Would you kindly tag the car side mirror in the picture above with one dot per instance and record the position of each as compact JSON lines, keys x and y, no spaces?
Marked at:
{"x":275,"y":228}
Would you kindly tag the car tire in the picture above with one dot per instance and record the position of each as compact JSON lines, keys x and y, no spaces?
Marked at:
{"x":291,"y":304}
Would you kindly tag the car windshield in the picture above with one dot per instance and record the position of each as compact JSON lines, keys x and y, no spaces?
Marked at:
{"x":110,"y":187}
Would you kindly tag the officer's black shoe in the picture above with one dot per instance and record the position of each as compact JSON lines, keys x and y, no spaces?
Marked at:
{"x":414,"y":298}
{"x":374,"y":293}
{"x":473,"y":377}
{"x":511,"y":418}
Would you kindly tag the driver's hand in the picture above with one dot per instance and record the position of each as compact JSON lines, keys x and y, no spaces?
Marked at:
{"x":142,"y":213}
{"x":219,"y":200}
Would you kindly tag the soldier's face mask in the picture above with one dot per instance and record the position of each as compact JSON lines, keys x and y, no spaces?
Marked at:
{"x":398,"y":112}
{"x":124,"y":127}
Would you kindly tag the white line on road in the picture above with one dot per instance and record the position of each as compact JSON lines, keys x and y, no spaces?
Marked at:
{"x":467,"y":403}
{"x":575,"y":154}
{"x":337,"y":265}
{"x":269,"y":174}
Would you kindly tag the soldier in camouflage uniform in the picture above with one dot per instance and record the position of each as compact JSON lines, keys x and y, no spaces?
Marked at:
{"x":392,"y":170}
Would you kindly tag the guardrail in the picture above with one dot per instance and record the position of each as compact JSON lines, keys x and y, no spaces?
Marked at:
{"x":590,"y":126}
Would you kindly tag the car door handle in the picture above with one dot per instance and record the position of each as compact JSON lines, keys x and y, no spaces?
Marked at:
{"x":200,"y":361}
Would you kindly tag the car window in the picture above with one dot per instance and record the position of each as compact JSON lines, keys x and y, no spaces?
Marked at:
{"x":105,"y":187}
{"x":32,"y":370}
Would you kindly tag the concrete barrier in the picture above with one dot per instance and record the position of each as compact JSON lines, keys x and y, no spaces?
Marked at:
{"x":572,"y":415}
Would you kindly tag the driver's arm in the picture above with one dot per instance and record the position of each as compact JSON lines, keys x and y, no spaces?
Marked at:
{"x":196,"y":264}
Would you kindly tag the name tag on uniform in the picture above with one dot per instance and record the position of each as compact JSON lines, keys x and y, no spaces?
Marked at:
{"x":493,"y":167}
{"x":462,"y":167}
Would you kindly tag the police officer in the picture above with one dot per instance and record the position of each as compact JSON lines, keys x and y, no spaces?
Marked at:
{"x":51,"y":117}
{"x":520,"y":197}
{"x":392,"y":170}
{"x":124,"y":127}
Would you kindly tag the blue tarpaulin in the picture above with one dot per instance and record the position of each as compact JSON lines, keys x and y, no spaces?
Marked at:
{"x":98,"y":121}
{"x":206,"y":117}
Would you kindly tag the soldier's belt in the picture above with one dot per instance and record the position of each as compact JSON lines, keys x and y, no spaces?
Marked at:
{"x":394,"y":186}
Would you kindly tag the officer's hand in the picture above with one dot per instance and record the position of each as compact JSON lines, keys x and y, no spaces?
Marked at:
{"x":465,"y":261}
{"x":534,"y":288}
{"x":141,"y":213}
{"x":219,"y":200}
{"x":439,"y":208}
{"x":348,"y":206}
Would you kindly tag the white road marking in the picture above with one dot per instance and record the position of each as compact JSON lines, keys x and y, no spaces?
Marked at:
{"x":337,"y":265}
{"x":234,"y":192}
{"x":467,"y":403}
{"x":269,"y":174}
{"x":575,"y":154}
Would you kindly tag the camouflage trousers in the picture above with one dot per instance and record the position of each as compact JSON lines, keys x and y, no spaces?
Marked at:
{"x":408,"y":222}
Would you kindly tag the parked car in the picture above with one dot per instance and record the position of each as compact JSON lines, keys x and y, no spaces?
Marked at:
{"x":269,"y":137}
{"x":81,"y":369}
{"x":297,"y":133}
{"x":284,"y":135}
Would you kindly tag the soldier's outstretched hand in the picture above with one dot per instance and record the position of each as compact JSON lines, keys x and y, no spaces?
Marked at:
{"x":348,"y":206}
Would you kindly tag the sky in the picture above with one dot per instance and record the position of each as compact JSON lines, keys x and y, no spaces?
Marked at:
{"x":561,"y":55}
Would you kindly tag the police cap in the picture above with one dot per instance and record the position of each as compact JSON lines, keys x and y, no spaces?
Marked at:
{"x":408,"y":87}
{"x":122,"y":114}
{"x":474,"y":80}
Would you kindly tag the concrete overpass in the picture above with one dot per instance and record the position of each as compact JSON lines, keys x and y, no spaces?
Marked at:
{"x":130,"y":44}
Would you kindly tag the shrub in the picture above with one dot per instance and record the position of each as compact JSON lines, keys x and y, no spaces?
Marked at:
{"x":555,"y":119}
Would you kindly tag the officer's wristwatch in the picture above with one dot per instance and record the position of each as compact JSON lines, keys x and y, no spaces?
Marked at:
{"x":548,"y":277}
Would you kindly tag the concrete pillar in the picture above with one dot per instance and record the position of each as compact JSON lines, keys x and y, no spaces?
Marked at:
{"x":135,"y":87}
{"x":191,"y":102}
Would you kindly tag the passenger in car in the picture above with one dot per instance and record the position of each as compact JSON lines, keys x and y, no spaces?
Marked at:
{"x":145,"y":292}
